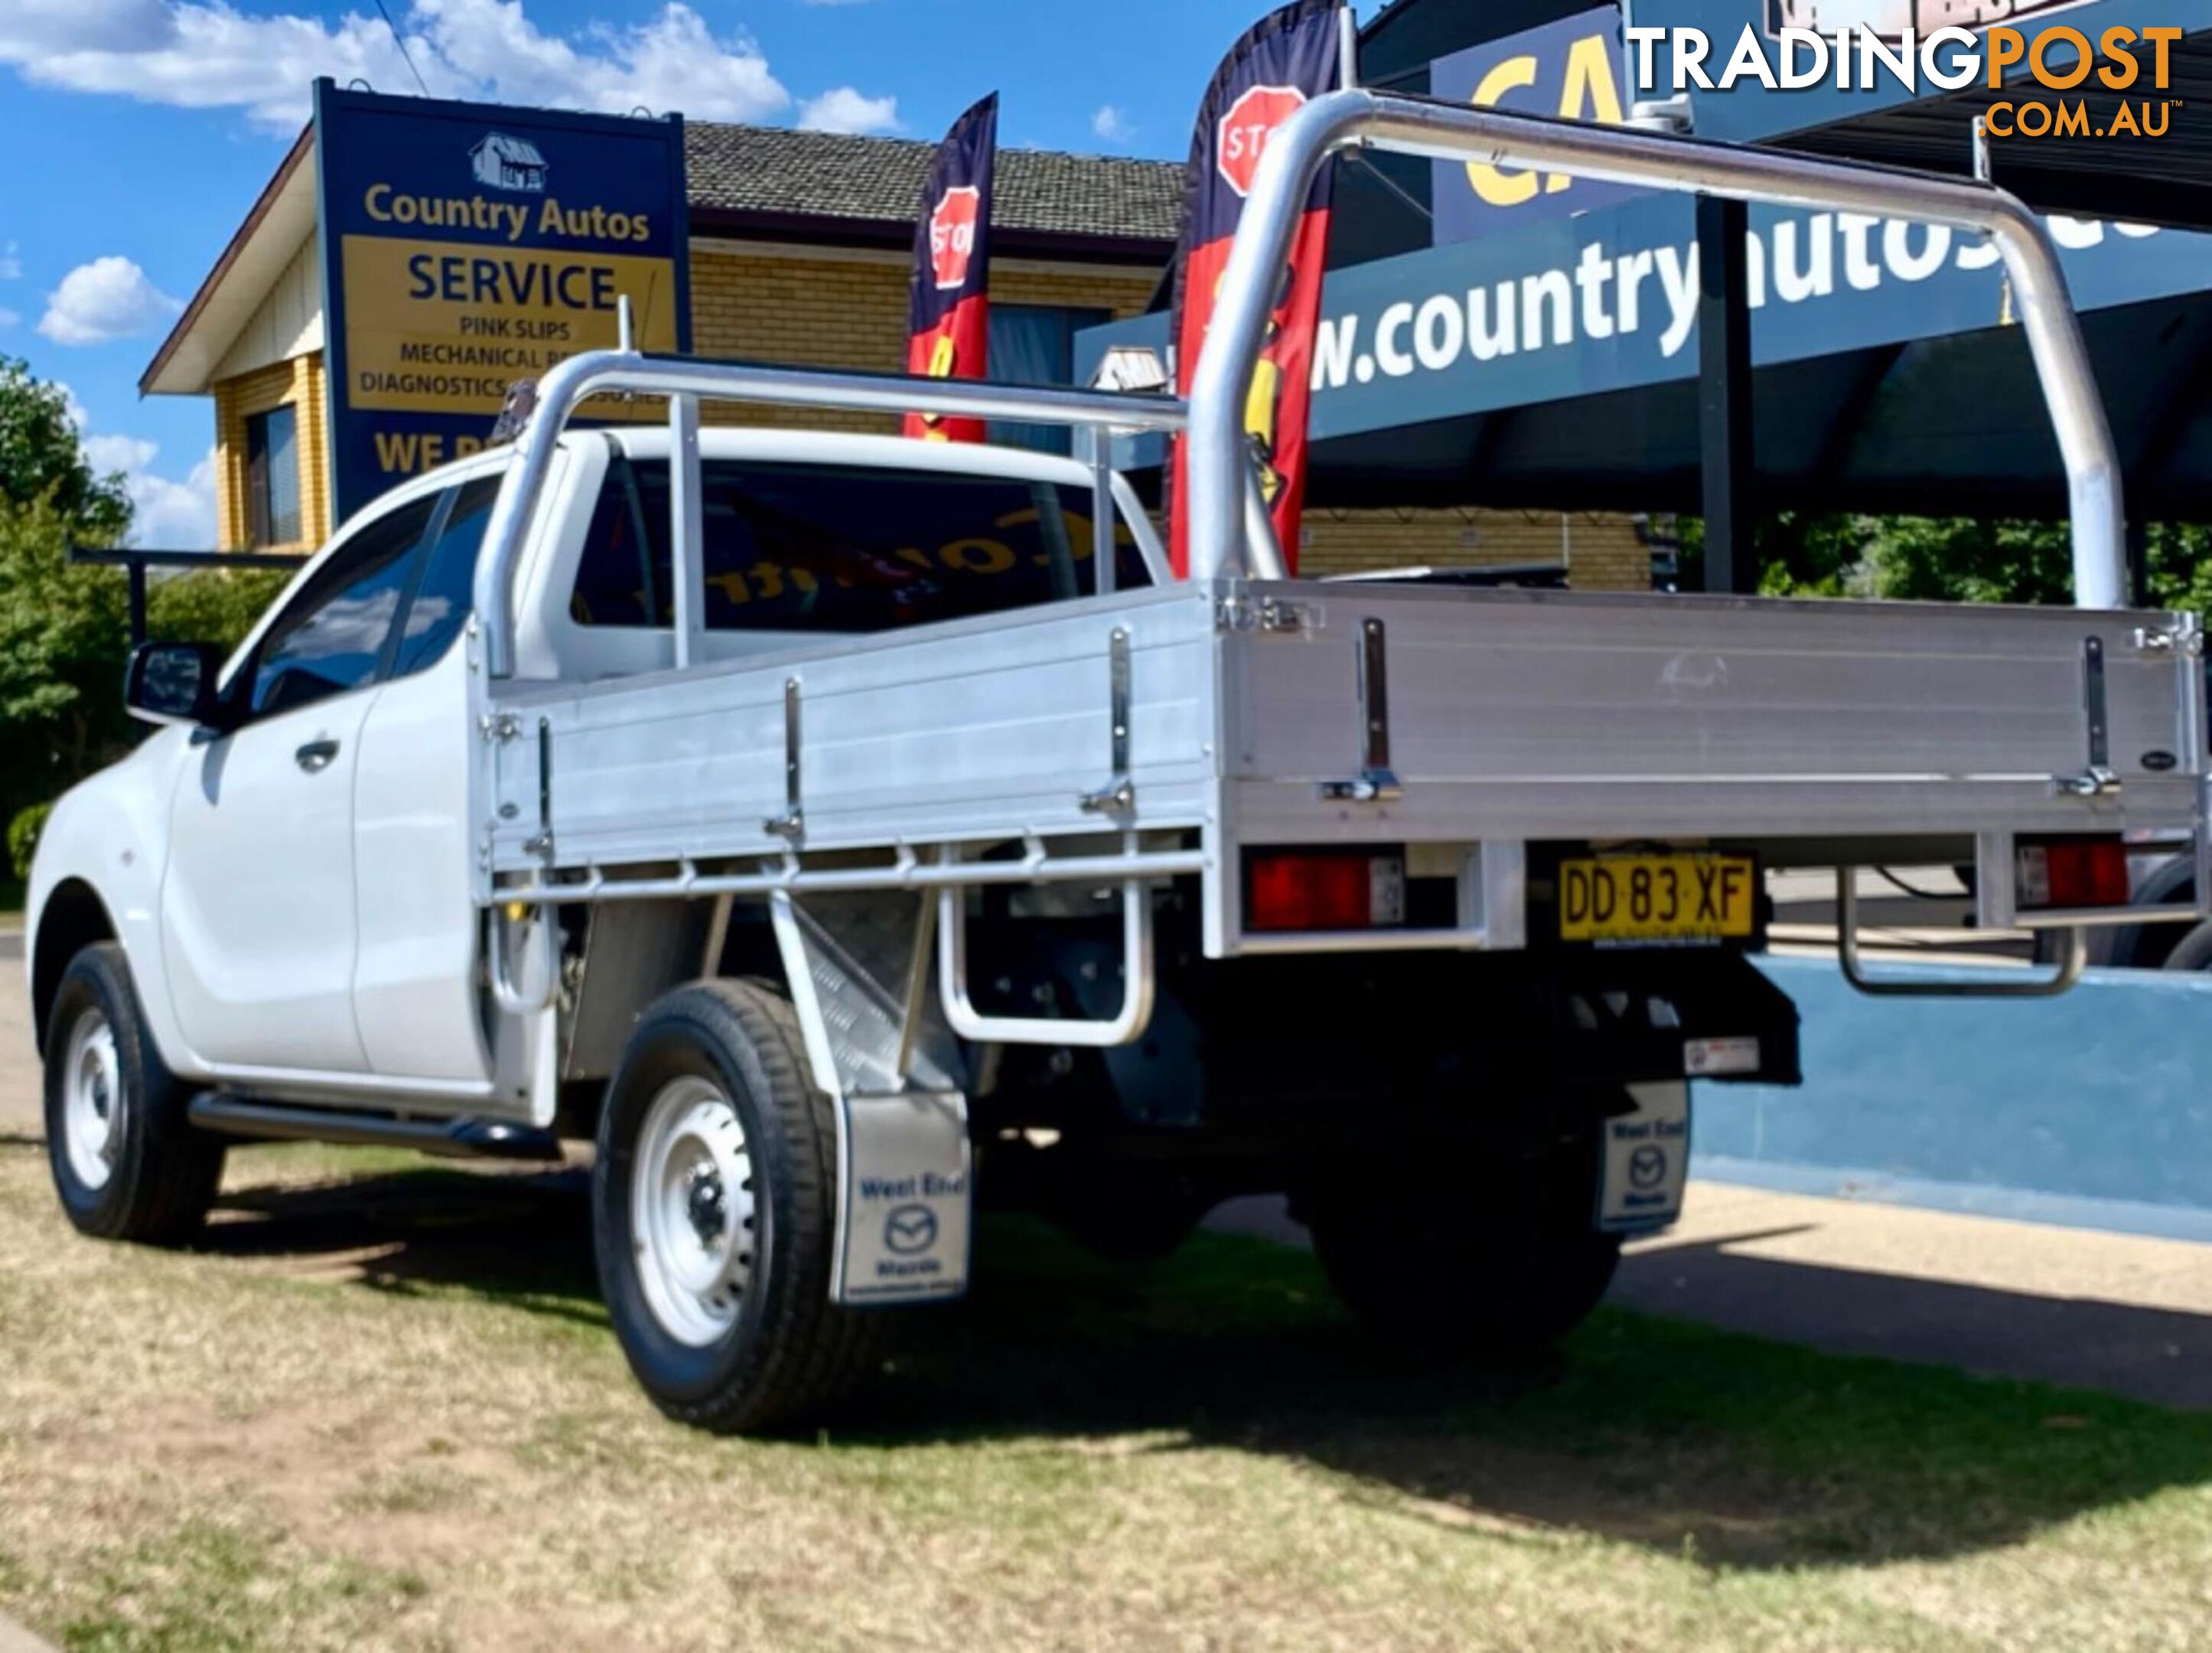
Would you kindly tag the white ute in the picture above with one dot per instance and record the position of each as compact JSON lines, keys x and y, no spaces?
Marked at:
{"x":841,"y":830}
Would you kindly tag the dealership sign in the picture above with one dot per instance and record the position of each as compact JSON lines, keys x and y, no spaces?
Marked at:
{"x":1608,"y":301}
{"x":467,"y":247}
{"x":1572,"y":67}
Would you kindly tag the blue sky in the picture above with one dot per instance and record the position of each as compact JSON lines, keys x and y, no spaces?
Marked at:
{"x":139,"y":131}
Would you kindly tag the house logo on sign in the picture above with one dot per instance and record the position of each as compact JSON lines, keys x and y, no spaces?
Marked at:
{"x":508,"y":163}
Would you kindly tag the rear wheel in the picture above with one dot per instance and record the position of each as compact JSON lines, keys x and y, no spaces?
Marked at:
{"x":127,"y":1162}
{"x":714,"y":1209}
{"x":2193,"y":951}
{"x":1484,"y":1259}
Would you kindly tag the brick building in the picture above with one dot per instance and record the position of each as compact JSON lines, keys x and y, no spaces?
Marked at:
{"x":798,"y":251}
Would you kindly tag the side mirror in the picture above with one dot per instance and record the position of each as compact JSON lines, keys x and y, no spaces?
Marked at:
{"x":172,"y":683}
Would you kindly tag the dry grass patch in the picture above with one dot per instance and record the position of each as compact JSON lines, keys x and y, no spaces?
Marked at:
{"x":381,"y":1409}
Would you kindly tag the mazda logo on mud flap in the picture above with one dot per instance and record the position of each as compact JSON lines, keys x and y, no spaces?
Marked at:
{"x":1647,"y":1167}
{"x":909,"y":1230}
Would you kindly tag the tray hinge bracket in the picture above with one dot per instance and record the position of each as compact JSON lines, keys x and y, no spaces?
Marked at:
{"x":541,"y":843}
{"x":2097,"y":779}
{"x":1119,"y":795}
{"x":1377,"y":783}
{"x":791,"y":825}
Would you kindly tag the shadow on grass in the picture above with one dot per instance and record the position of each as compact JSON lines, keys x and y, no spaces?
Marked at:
{"x":1746,"y":1453}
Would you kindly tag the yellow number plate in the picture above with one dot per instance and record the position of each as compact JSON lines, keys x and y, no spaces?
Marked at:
{"x":1690,"y":897}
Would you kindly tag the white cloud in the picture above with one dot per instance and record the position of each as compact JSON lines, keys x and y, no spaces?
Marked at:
{"x":11,"y":262}
{"x":108,"y":454}
{"x":1110,"y":125}
{"x":204,"y":54}
{"x":8,"y":317}
{"x":844,"y":109}
{"x":164,"y":512}
{"x":109,"y":298}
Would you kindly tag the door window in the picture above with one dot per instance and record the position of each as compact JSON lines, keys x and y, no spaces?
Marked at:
{"x":331,"y":636}
{"x":440,"y":603}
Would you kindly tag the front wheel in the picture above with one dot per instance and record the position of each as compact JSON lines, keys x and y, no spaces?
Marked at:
{"x":713,"y":1216}
{"x":1492,"y":1259}
{"x":127,"y":1163}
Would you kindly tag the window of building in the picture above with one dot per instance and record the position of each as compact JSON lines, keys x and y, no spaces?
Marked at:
{"x":272,"y":477}
{"x":839,"y":548}
{"x":1035,"y":344}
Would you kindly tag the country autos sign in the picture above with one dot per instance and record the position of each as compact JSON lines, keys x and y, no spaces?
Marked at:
{"x":1572,"y":67}
{"x":1608,"y":300}
{"x":467,"y":247}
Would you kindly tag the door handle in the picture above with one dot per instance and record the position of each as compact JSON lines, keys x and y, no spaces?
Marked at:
{"x":315,"y":756}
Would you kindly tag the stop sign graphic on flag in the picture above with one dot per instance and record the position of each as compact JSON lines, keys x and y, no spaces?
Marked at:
{"x":952,"y":234}
{"x":1278,"y":65}
{"x":948,"y":295}
{"x":1246,"y":128}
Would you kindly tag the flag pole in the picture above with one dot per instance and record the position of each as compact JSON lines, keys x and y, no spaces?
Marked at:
{"x":1348,"y":49}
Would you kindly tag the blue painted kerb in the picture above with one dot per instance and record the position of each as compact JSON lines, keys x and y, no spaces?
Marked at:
{"x":2090,"y":1110}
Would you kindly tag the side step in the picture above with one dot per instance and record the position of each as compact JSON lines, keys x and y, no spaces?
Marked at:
{"x":449,"y":1138}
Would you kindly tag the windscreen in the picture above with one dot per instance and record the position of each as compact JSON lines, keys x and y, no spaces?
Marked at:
{"x":839,"y":548}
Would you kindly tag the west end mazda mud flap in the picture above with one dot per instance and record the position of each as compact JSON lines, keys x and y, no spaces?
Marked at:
{"x":902,"y":1205}
{"x":1646,"y":1160}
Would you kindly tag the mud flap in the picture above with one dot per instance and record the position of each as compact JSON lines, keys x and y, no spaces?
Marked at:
{"x":902,"y":1200}
{"x":1646,"y":1160}
{"x":858,"y":969}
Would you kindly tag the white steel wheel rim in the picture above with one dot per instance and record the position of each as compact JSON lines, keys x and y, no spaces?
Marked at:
{"x":92,"y":1100}
{"x":692,"y":1211}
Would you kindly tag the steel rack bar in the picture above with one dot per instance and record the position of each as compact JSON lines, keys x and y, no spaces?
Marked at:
{"x":599,"y":372}
{"x":1412,"y":125}
{"x":908,"y":871}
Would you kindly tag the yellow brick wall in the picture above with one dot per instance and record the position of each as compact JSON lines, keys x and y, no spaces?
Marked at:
{"x":852,"y":312}
{"x":1602,"y":552}
{"x":301,"y":383}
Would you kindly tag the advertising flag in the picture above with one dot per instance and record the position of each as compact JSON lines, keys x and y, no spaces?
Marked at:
{"x":948,"y":333}
{"x":1288,"y":58}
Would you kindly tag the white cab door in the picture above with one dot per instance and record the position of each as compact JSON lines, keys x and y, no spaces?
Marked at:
{"x":416,"y":993}
{"x":258,"y":912}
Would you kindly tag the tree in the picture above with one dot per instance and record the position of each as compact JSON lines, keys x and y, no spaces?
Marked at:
{"x":64,"y":631}
{"x":42,"y":458}
{"x":1948,"y":559}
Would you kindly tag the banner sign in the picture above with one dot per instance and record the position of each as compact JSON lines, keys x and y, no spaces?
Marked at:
{"x":1608,"y":301}
{"x":1286,"y":58}
{"x":948,"y":312}
{"x":1572,"y":67}
{"x":465,"y":246}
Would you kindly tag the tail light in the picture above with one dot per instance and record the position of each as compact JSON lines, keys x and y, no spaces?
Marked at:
{"x":1323,"y":890}
{"x":2061,"y":874}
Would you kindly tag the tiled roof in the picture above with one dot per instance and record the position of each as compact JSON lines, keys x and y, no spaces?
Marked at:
{"x":773,"y":170}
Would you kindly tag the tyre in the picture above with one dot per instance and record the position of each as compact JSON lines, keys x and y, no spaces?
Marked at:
{"x":713,"y":1216}
{"x":1478,"y":1259}
{"x":2193,"y":951}
{"x":127,"y":1162}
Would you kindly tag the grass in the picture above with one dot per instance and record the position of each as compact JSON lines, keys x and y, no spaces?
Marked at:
{"x":386,"y":1412}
